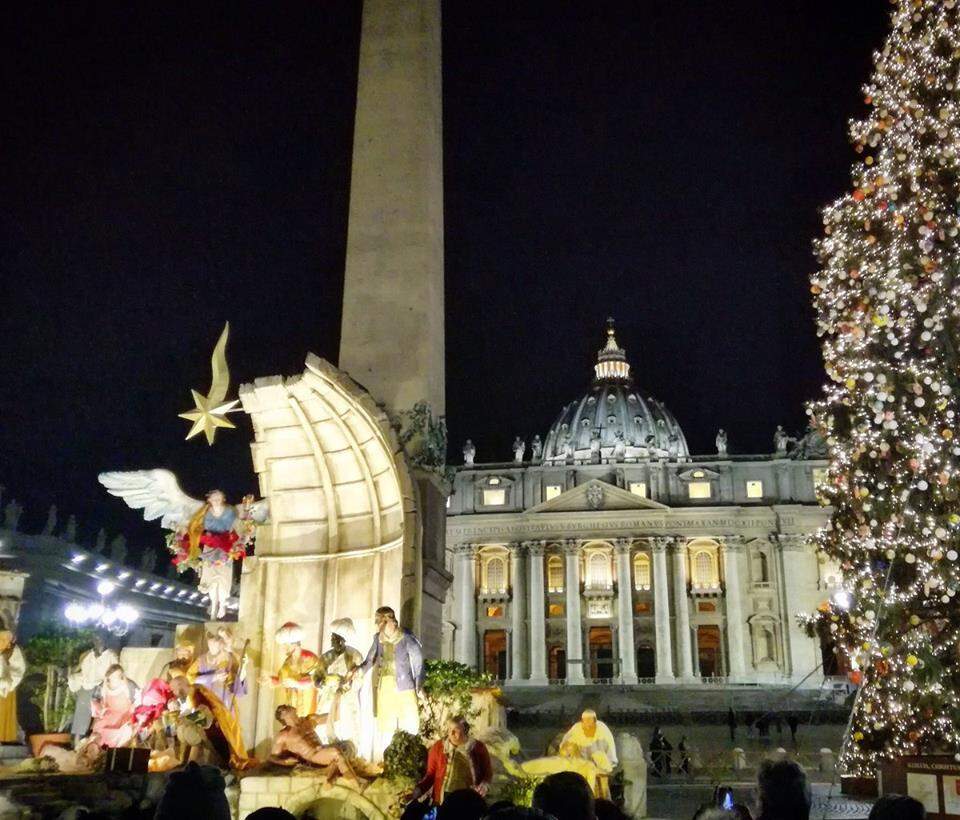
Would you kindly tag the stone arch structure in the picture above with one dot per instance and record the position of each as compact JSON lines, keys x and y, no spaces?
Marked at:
{"x":337,"y":803}
{"x":343,"y":535}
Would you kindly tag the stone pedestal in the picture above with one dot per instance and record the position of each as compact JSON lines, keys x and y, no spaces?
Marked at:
{"x":427,"y":581}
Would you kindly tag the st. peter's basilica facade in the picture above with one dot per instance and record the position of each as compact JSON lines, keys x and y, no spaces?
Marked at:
{"x":608,"y":553}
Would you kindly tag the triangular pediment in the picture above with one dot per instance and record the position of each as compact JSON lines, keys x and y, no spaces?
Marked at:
{"x":596,"y":496}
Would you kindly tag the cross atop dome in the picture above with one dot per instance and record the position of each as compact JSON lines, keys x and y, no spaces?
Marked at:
{"x":612,"y":365}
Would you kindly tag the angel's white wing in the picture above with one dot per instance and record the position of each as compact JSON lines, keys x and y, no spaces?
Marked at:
{"x":156,"y":492}
{"x":260,"y":510}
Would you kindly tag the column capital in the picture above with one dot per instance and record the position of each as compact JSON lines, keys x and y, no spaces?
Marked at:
{"x":731,"y":543}
{"x":571,"y":546}
{"x":535,"y":548}
{"x":623,"y":545}
{"x":662,"y":543}
{"x":466,"y":550}
{"x":790,"y":542}
{"x":517,"y":548}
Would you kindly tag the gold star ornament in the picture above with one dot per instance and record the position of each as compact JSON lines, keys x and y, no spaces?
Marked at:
{"x":211,"y":410}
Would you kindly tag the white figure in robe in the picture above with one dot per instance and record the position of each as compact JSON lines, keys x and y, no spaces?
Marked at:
{"x":207,"y":535}
{"x":339,"y":695}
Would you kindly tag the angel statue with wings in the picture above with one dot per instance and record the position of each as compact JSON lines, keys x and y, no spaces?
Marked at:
{"x":207,"y":536}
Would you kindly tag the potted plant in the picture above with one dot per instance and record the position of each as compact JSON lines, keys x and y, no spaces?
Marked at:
{"x":50,"y":653}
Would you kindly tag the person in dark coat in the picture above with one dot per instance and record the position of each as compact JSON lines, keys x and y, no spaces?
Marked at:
{"x":763,"y":730}
{"x":667,"y":749}
{"x":792,"y":722}
{"x":683,"y":764}
{"x":656,"y":751}
{"x":732,"y":723}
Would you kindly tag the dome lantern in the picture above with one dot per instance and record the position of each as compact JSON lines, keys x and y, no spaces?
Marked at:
{"x":612,"y":362}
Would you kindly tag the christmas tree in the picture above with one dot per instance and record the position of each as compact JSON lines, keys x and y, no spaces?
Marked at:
{"x":887,"y":302}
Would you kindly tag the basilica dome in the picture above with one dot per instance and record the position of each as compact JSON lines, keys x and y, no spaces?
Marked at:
{"x":614,"y":420}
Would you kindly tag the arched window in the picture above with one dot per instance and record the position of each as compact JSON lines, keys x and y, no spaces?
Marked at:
{"x":641,"y":571}
{"x":763,"y":567}
{"x":764,"y":633}
{"x":496,"y":575}
{"x":768,"y":643}
{"x":555,"y":573}
{"x":704,"y":570}
{"x":598,"y":570}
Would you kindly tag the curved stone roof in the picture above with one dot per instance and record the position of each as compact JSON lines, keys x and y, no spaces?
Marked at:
{"x":614,"y":415}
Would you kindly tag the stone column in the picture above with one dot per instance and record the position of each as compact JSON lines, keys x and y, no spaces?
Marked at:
{"x":517,"y":606}
{"x":628,"y":652}
{"x":467,"y":599}
{"x":682,"y":603}
{"x":575,"y":653}
{"x":798,"y":572}
{"x":733,"y":595}
{"x":661,"y":611}
{"x":537,"y":602}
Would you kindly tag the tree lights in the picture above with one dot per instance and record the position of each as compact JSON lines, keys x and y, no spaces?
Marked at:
{"x":887,"y":310}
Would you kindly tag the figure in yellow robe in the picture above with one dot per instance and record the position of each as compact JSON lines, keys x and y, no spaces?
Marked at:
{"x":12,"y":668}
{"x":297,"y":674}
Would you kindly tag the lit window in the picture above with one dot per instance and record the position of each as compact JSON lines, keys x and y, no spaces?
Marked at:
{"x":704,"y":570}
{"x":641,"y":571}
{"x":819,"y":476}
{"x":639,"y":488}
{"x":754,"y":489}
{"x":494,"y":498}
{"x":555,"y":610}
{"x":555,"y":573}
{"x":493,"y":482}
{"x":495,"y":576}
{"x":641,"y":607}
{"x":598,"y":570}
{"x":698,"y":474}
{"x":494,"y":611}
{"x":830,"y":574}
{"x":698,"y":489}
{"x":552,"y":491}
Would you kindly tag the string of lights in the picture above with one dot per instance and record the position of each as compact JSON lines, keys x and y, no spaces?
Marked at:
{"x":887,"y":312}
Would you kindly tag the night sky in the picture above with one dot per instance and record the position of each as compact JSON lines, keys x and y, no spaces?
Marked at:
{"x":166,"y":169}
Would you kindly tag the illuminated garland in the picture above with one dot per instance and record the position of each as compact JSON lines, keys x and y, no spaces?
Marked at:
{"x":887,"y":311}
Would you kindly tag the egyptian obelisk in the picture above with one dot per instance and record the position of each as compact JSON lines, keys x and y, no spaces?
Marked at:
{"x":392,"y":336}
{"x":392,"y":339}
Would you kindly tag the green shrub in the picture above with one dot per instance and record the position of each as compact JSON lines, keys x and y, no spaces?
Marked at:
{"x":519,"y":790}
{"x":447,"y":690}
{"x":406,"y":756}
{"x":50,"y":654}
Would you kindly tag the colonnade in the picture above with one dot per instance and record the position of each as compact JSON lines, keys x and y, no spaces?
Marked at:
{"x":674,"y":647}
